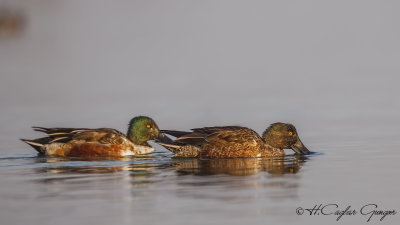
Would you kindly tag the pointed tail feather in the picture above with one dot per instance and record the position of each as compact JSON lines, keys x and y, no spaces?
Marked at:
{"x":41,"y":129}
{"x":185,"y":137}
{"x":196,"y":139}
{"x":57,"y":131}
{"x":168,"y":143}
{"x":37,"y":144}
{"x":175,"y":133}
{"x":171,"y":147}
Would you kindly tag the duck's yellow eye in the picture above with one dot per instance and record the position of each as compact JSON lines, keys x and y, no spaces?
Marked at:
{"x":148,"y":126}
{"x":290,"y":133}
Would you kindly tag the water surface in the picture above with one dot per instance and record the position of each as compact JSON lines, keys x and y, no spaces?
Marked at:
{"x":330,"y":68}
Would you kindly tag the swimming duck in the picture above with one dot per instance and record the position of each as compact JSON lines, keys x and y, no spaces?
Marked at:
{"x":84,"y":142}
{"x":233,"y":142}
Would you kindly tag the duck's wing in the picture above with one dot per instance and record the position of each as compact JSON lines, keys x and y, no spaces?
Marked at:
{"x":199,"y":136}
{"x":210,"y":141}
{"x":102,"y":136}
{"x":63,"y":135}
{"x":203,"y":135}
{"x":101,"y":139}
{"x":232,"y":134}
{"x":212,"y":130}
{"x":232,"y":143}
{"x":196,"y":137}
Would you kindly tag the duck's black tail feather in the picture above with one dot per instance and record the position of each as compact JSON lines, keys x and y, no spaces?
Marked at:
{"x":168,"y":143}
{"x":187,"y":138}
{"x":37,"y":144}
{"x":171,"y":148}
{"x":175,"y":133}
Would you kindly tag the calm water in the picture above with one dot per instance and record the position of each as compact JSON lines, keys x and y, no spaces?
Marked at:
{"x":157,"y":189}
{"x":193,"y":64}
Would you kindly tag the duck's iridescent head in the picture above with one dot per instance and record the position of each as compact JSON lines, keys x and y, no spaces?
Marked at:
{"x":142,"y":129}
{"x":284,"y":136}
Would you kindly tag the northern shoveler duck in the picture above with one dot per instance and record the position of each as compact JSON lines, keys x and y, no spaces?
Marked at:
{"x":83,"y":142}
{"x":233,"y":142}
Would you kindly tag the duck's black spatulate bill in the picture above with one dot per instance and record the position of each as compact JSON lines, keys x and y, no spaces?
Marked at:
{"x":299,"y":148}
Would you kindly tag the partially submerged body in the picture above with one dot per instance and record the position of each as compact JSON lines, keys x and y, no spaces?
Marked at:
{"x":233,"y":142}
{"x":83,"y":142}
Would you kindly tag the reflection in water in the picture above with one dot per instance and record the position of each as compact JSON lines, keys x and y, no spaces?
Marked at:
{"x":92,"y":165}
{"x":238,"y":180}
{"x":241,"y":166}
{"x":145,"y":177}
{"x":81,"y":169}
{"x":99,"y":178}
{"x":236,"y":167}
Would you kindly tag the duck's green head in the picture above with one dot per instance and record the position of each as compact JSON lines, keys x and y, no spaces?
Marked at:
{"x":284,"y":136}
{"x":142,"y":129}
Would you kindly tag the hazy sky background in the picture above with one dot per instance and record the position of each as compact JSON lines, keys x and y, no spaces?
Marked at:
{"x":329,"y":67}
{"x":97,"y":63}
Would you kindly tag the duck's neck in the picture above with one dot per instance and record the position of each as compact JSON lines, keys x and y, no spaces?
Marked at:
{"x":269,"y":151}
{"x":136,"y":139}
{"x":144,"y":144}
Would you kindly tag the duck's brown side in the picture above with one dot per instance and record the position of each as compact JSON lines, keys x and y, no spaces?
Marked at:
{"x":85,"y":149}
{"x":94,"y":149}
{"x":234,"y":143}
{"x":187,"y":151}
{"x":85,"y":142}
{"x":190,"y":151}
{"x":219,"y":142}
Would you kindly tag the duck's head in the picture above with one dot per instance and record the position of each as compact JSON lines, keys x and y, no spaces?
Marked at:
{"x":284,"y":136}
{"x":142,"y":129}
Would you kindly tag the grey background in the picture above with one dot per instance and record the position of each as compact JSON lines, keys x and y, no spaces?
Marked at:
{"x":199,"y":62}
{"x":329,"y":67}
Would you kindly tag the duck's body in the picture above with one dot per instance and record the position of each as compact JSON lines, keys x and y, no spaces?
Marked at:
{"x":102,"y":142}
{"x":230,"y":142}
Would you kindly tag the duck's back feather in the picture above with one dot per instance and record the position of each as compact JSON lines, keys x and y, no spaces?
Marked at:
{"x":218,"y":142}
{"x":63,"y":135}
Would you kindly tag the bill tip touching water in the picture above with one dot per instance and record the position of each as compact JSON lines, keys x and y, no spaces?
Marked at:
{"x":284,"y":136}
{"x":206,"y":142}
{"x":234,"y":142}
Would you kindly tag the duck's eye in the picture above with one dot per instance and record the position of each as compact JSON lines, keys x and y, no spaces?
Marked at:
{"x":148,"y":126}
{"x":290,"y":133}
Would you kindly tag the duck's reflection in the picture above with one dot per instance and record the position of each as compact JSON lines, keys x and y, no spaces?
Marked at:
{"x":240,"y":166}
{"x":93,"y":178}
{"x":145,"y":177}
{"x":237,"y":167}
{"x":61,"y":165}
{"x":81,"y":169}
{"x":242,"y":180}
